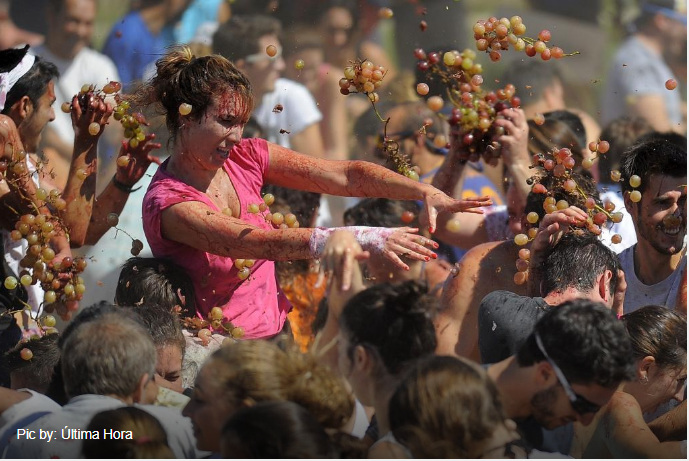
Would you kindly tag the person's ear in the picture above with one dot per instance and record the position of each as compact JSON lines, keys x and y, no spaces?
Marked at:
{"x":632,"y":208}
{"x":363,"y":361}
{"x":21,"y":109}
{"x":645,"y":368}
{"x":604,"y":286}
{"x":139,"y":395}
{"x":545,"y":376}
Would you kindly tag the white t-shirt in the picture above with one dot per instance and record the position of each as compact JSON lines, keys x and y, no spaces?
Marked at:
{"x":87,"y":67}
{"x":639,"y":294}
{"x":625,"y":227}
{"x":24,"y":413}
{"x":299,"y":111}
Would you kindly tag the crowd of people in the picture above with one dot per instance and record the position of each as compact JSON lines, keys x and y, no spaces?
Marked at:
{"x":249,"y":261}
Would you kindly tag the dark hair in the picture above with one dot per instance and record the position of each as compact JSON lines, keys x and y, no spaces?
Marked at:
{"x":531,"y":78}
{"x":660,"y":333}
{"x":585,"y":341}
{"x":677,"y":139}
{"x":88,"y":314}
{"x":393,"y":320}
{"x":39,"y":370}
{"x":149,"y":439}
{"x":381,"y":212}
{"x":621,"y":133}
{"x":555,"y":133}
{"x":275,"y":430}
{"x":239,"y":36}
{"x":573,"y":122}
{"x":554,"y":185}
{"x":181,"y":78}
{"x":445,"y":407}
{"x":155,"y":282}
{"x":163,"y":326}
{"x":33,"y":83}
{"x":576,"y":261}
{"x":655,"y":156}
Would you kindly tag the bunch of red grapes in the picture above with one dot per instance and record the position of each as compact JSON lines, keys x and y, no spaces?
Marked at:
{"x":362,"y":76}
{"x":474,"y":109}
{"x":495,"y":35}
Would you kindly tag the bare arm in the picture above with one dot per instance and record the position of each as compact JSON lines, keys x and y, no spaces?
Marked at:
{"x":672,"y":425}
{"x":652,"y":108}
{"x":629,"y":436}
{"x":360,"y":179}
{"x":334,"y":124}
{"x":80,"y":192}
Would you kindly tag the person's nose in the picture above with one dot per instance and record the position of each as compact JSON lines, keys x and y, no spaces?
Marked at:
{"x":280,"y":64}
{"x":340,"y":38}
{"x":234,"y":134}
{"x":52,"y":114}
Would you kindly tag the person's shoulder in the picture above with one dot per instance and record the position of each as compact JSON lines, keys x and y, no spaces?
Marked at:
{"x":622,"y":406}
{"x":501,"y":298}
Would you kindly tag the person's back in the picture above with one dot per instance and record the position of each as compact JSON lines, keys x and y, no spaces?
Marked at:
{"x":639,"y":70}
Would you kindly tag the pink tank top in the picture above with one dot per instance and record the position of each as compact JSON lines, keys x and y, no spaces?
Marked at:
{"x":256,"y":304}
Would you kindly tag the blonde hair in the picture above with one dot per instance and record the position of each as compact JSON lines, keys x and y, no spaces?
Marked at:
{"x":182,"y":77}
{"x":149,"y":439}
{"x":444,"y":408}
{"x":260,"y":371}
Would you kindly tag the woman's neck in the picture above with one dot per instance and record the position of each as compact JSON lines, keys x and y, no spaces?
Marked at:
{"x":186,"y":168}
{"x":383,"y":391}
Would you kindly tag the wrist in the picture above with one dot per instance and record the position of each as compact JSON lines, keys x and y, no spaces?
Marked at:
{"x":123,"y":186}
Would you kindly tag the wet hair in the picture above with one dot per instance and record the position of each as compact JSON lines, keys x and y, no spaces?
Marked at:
{"x":381,"y":212}
{"x":163,"y":326}
{"x":38,"y":372}
{"x":444,"y":407}
{"x":156,"y":282}
{"x":394,"y":321}
{"x":573,"y":121}
{"x":183,"y":78}
{"x":274,"y":430}
{"x":621,"y":133}
{"x":33,"y":83}
{"x":107,"y":356}
{"x":149,"y":439}
{"x":660,"y":333}
{"x":239,"y":36}
{"x":261,"y":371}
{"x":585,"y":341}
{"x":656,"y":156}
{"x":576,"y":261}
{"x":531,"y":78}
{"x":554,"y":185}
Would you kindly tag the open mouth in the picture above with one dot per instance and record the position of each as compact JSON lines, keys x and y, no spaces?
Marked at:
{"x":222,"y":152}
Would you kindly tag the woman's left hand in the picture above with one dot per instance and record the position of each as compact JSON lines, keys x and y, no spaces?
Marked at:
{"x":437,"y":201}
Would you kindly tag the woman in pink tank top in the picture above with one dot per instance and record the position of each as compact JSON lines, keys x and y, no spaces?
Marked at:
{"x":196,"y":209}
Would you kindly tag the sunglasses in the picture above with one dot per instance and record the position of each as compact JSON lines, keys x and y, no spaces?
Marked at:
{"x":579,"y":404}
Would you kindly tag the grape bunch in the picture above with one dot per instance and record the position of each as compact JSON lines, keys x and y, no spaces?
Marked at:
{"x":556,"y":168}
{"x":362,"y":76}
{"x":495,"y":35}
{"x":61,"y":282}
{"x":215,"y":321}
{"x":474,"y":109}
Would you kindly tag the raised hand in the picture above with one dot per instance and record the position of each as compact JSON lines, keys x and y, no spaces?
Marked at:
{"x":88,"y":113}
{"x":438,"y":201}
{"x":132,"y":163}
{"x":515,"y":140}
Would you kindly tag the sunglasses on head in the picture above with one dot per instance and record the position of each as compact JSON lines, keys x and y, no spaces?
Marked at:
{"x":258,"y":57}
{"x":579,"y":404}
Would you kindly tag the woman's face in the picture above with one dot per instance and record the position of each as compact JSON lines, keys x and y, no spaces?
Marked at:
{"x":308,"y":76}
{"x":208,"y":409}
{"x":351,"y":368}
{"x":169,"y":367}
{"x":664,"y":384}
{"x":209,"y":140}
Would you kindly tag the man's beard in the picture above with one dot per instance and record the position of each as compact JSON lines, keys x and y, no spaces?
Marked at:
{"x":542,"y":404}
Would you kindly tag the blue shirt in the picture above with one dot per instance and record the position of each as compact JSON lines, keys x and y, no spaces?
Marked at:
{"x":132,"y":47}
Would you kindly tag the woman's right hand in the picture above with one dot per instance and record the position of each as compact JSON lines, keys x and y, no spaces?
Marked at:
{"x":339,"y":256}
{"x":406,"y":242}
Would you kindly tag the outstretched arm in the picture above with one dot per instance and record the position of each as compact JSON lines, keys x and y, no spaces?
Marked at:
{"x":360,"y":179}
{"x":672,"y":425}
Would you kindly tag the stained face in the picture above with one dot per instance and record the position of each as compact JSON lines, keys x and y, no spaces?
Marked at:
{"x":661,"y":215}
{"x":210,"y":139}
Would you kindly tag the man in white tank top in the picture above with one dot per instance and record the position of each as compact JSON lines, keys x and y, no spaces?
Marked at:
{"x":655,"y":268}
